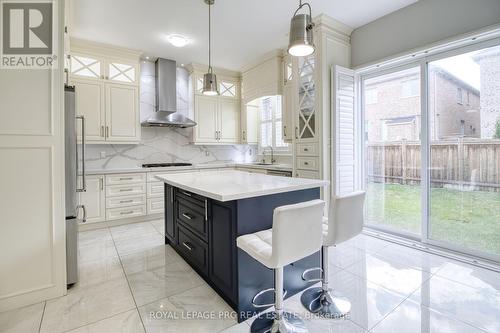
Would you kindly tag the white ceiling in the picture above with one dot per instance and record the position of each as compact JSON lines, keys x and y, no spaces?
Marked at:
{"x":242,"y":30}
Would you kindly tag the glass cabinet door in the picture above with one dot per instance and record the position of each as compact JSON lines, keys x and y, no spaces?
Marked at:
{"x":123,"y":73}
{"x":306,"y":125}
{"x":85,"y":66}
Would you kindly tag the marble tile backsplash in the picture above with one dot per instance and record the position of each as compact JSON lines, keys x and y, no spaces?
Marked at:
{"x":163,"y":144}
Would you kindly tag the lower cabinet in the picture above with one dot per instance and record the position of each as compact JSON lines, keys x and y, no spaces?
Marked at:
{"x":202,"y":232}
{"x":222,"y":254}
{"x":94,"y":199}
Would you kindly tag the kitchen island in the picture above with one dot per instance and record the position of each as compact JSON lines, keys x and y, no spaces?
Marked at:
{"x":206,"y":211}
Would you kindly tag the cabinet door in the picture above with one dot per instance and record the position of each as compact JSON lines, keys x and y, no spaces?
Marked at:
{"x":228,"y":120}
{"x":206,"y":117}
{"x":307,"y":116}
{"x":289,"y":99}
{"x":93,"y":199}
{"x":86,"y":66}
{"x":250,"y":124}
{"x":170,"y":231}
{"x":122,"y":113}
{"x":89,"y":102}
{"x":222,"y":250}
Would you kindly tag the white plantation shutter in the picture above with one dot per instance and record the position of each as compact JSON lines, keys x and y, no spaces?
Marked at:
{"x":347,"y":124}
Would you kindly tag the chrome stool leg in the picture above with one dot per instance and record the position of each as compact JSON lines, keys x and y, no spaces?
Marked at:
{"x":322,"y":300}
{"x":278,"y":321}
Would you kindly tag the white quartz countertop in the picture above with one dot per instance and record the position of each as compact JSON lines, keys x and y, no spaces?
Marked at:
{"x":284,"y":167}
{"x":227,"y":185}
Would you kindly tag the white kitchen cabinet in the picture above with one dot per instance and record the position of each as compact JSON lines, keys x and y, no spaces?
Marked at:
{"x":228,"y":120}
{"x":122,"y":118}
{"x":249,"y":124}
{"x":94,"y":199}
{"x":206,"y":109}
{"x":107,"y":91}
{"x":89,"y":102}
{"x":289,"y":99}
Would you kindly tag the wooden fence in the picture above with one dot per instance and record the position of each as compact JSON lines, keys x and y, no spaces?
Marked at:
{"x":466,"y":164}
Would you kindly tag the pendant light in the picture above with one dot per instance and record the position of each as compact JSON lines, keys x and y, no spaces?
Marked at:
{"x":301,"y":33}
{"x":210,"y":86}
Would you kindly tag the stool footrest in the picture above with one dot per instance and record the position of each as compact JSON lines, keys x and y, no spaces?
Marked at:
{"x":307,"y":271}
{"x":262,"y":292}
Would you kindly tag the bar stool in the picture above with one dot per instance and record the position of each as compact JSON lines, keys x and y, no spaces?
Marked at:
{"x":296,"y":234}
{"x":345,"y":220}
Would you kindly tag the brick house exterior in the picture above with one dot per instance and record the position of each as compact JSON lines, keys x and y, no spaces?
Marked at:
{"x":392,"y":107}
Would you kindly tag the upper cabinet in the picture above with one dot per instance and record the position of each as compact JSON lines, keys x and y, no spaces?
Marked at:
{"x":306,"y":119}
{"x":290,"y":98}
{"x":217,"y":117}
{"x":106,"y":81}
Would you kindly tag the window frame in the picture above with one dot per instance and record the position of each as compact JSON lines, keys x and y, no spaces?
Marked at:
{"x":277,"y":150}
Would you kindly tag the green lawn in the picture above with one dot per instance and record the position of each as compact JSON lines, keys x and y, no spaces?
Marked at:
{"x":470,"y":219}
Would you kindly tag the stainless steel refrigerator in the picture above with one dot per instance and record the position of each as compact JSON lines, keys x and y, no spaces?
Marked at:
{"x":75,"y":181}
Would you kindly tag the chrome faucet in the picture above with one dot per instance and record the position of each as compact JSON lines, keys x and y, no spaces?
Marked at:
{"x":272,"y":155}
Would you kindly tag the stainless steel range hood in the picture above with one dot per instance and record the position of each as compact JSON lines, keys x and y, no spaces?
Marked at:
{"x":166,"y":114}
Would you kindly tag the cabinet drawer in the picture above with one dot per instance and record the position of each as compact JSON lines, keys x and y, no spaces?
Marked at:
{"x":307,"y":174}
{"x":190,"y":197}
{"x":308,"y":163}
{"x":121,"y":190}
{"x":156,"y":205}
{"x":307,"y":149}
{"x":193,"y":249}
{"x":125,"y":201}
{"x":156,"y":189}
{"x":125,"y":212}
{"x":125,"y":178}
{"x":192,"y":218}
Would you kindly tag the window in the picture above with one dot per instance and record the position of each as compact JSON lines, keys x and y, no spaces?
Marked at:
{"x":410,"y":88}
{"x":227,"y":89}
{"x":270,"y":129}
{"x":371,"y":96}
{"x":460,"y":97}
{"x":468,"y":98}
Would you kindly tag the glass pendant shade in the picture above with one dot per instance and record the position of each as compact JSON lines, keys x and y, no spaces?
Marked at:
{"x":210,"y":87}
{"x":301,"y":36}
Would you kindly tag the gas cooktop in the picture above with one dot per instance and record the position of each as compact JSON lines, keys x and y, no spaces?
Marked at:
{"x":161,"y":165}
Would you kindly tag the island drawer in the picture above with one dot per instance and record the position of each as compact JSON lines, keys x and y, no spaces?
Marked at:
{"x":193,"y":218}
{"x":192,"y":249}
{"x":190,"y":197}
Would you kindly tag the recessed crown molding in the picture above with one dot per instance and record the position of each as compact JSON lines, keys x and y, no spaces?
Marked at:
{"x":106,"y":50}
{"x":326,"y":22}
{"x":277,"y":53}
{"x":199,"y":68}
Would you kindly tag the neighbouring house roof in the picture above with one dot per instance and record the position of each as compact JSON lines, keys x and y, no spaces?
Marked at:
{"x":450,"y":77}
{"x":399,"y":120}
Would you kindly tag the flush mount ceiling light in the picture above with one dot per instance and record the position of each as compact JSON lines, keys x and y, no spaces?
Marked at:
{"x":210,"y":87}
{"x":177,"y":40}
{"x":301,"y":33}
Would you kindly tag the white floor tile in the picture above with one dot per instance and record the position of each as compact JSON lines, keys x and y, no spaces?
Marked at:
{"x":477,"y":307}
{"x":87,"y":305}
{"x":471,"y":275}
{"x":413,"y":258}
{"x":96,"y":272}
{"x":126,"y":246}
{"x":410,"y":317}
{"x":127,"y":322}
{"x":198,"y":310}
{"x":23,"y":320}
{"x":152,"y":285}
{"x":133,"y":230}
{"x":150,"y":259}
{"x":159,"y":225}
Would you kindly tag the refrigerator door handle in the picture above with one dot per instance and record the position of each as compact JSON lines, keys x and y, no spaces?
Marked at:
{"x":84,"y":180}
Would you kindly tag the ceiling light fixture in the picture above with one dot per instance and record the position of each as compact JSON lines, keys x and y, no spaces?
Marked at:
{"x":177,"y":40}
{"x":301,"y":33}
{"x":210,"y":87}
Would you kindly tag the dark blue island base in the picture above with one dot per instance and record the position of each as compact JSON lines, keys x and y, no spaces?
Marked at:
{"x":204,"y":231}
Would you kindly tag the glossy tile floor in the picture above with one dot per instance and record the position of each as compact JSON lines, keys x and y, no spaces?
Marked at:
{"x":131,"y":282}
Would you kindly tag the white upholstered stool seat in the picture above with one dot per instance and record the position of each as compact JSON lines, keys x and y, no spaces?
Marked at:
{"x":296,"y":234}
{"x":344,"y":221}
{"x":258,"y":245}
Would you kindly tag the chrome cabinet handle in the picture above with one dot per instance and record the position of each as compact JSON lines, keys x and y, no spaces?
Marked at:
{"x":206,"y":210}
{"x":101,"y":184}
{"x":102,"y":77}
{"x":306,"y":149}
{"x":284,"y":130}
{"x":171,"y":194}
{"x":216,"y":138}
{"x":126,"y":178}
{"x":187,"y":245}
{"x":102,"y":131}
{"x":127,"y":213}
{"x":84,"y":210}
{"x":107,"y":131}
{"x":306,"y":163}
{"x":126,"y":189}
{"x":296,"y":132}
{"x":126,"y":201}
{"x":84,"y":180}
{"x":189,"y":217}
